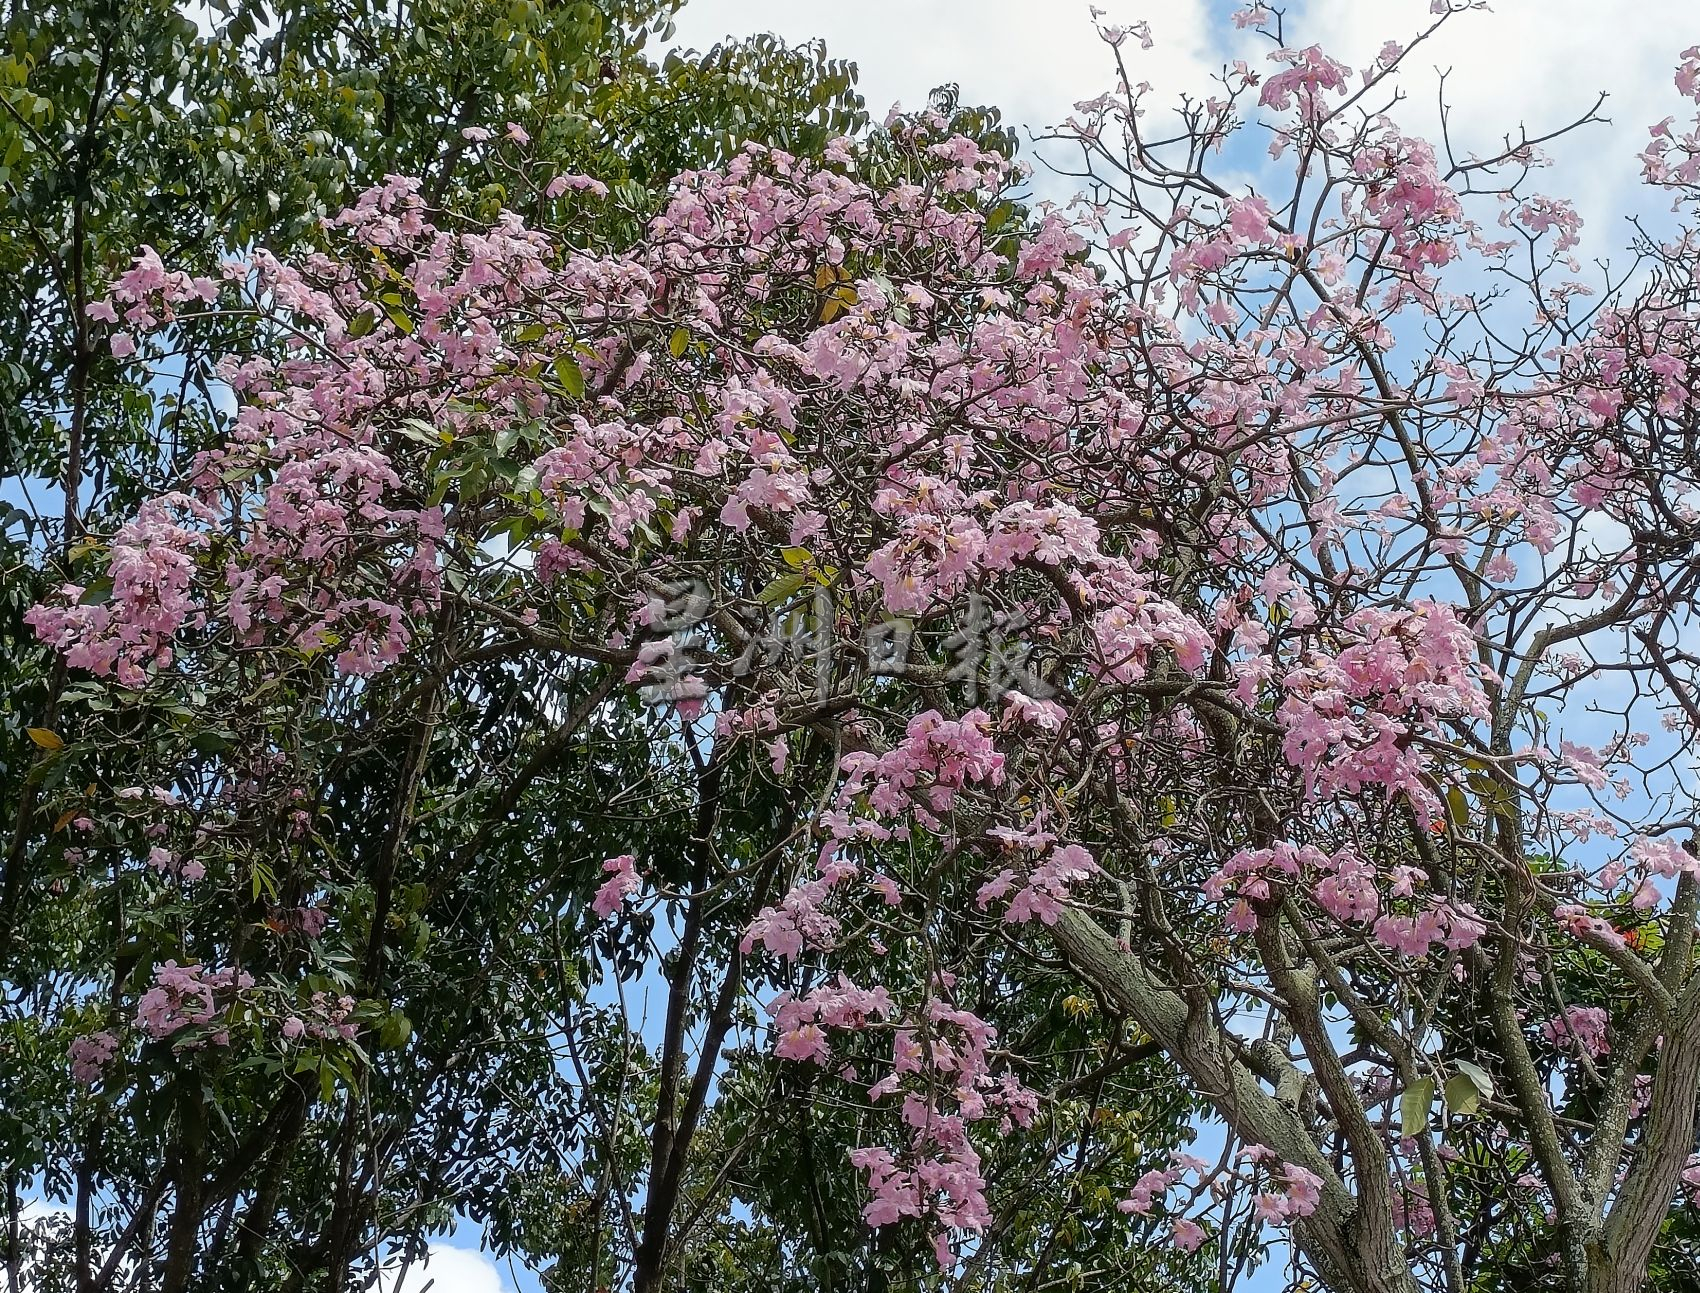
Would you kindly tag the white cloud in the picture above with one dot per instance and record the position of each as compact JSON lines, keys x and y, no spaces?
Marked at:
{"x":38,"y":1215}
{"x":1033,"y":60}
{"x":1537,"y":62}
{"x":448,"y":1270}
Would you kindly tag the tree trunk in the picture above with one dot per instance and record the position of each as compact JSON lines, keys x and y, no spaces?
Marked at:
{"x":1349,"y":1256}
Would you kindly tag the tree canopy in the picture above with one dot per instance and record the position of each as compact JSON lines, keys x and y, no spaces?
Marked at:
{"x":773,"y":713}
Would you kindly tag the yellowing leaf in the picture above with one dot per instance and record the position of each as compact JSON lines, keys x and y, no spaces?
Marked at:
{"x":834,"y":280}
{"x":836,"y":303}
{"x":797,"y":558}
{"x":677,"y":342}
{"x":45,"y":739}
{"x":1076,"y":1007}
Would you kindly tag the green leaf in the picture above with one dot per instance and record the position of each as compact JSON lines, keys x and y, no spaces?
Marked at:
{"x":394,"y":1031}
{"x":570,"y":376}
{"x":1462,"y":1096}
{"x":1477,"y":1075}
{"x":677,"y":342}
{"x":1458,"y":808}
{"x":262,"y":880}
{"x":1414,"y":1106}
{"x":362,"y":323}
{"x":421,"y":433}
{"x":781,"y":588}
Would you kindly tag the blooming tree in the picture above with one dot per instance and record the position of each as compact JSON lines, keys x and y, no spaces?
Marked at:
{"x":1275,"y":608}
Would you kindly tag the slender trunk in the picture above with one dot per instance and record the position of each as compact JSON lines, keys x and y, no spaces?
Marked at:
{"x":14,"y":1233}
{"x":11,"y":879}
{"x":88,"y":1167}
{"x":671,"y":1133}
{"x":183,"y":1243}
{"x":345,"y":1221}
{"x":259,"y":1216}
{"x":139,"y":1232}
{"x":1632,"y":1227}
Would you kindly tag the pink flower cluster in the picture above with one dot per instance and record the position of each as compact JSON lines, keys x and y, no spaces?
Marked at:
{"x":802,"y":1022}
{"x":1351,"y":717}
{"x":799,"y":920}
{"x":1671,"y":159}
{"x":168,"y":863}
{"x":1349,"y":889}
{"x":1151,"y":1189}
{"x":1294,"y":1193}
{"x":327,"y":1017}
{"x":150,"y":294}
{"x":1452,"y":925}
{"x":151,"y":566}
{"x":90,"y":1054}
{"x":621,"y":883}
{"x":940,"y":1068}
{"x":1579,"y":1028}
{"x":182,"y":996}
{"x":1044,"y":887}
{"x":923,"y":773}
{"x":1309,"y":73}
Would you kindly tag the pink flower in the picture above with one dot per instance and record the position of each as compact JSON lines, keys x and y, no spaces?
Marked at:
{"x":1309,"y":73}
{"x":182,"y":996}
{"x":582,"y":183}
{"x":805,"y":1042}
{"x":1188,"y":1235}
{"x":1249,"y":219}
{"x":1148,"y":1191}
{"x":123,"y":345}
{"x":622,"y":882}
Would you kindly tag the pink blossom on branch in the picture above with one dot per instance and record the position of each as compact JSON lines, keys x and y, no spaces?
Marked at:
{"x":621,"y":884}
